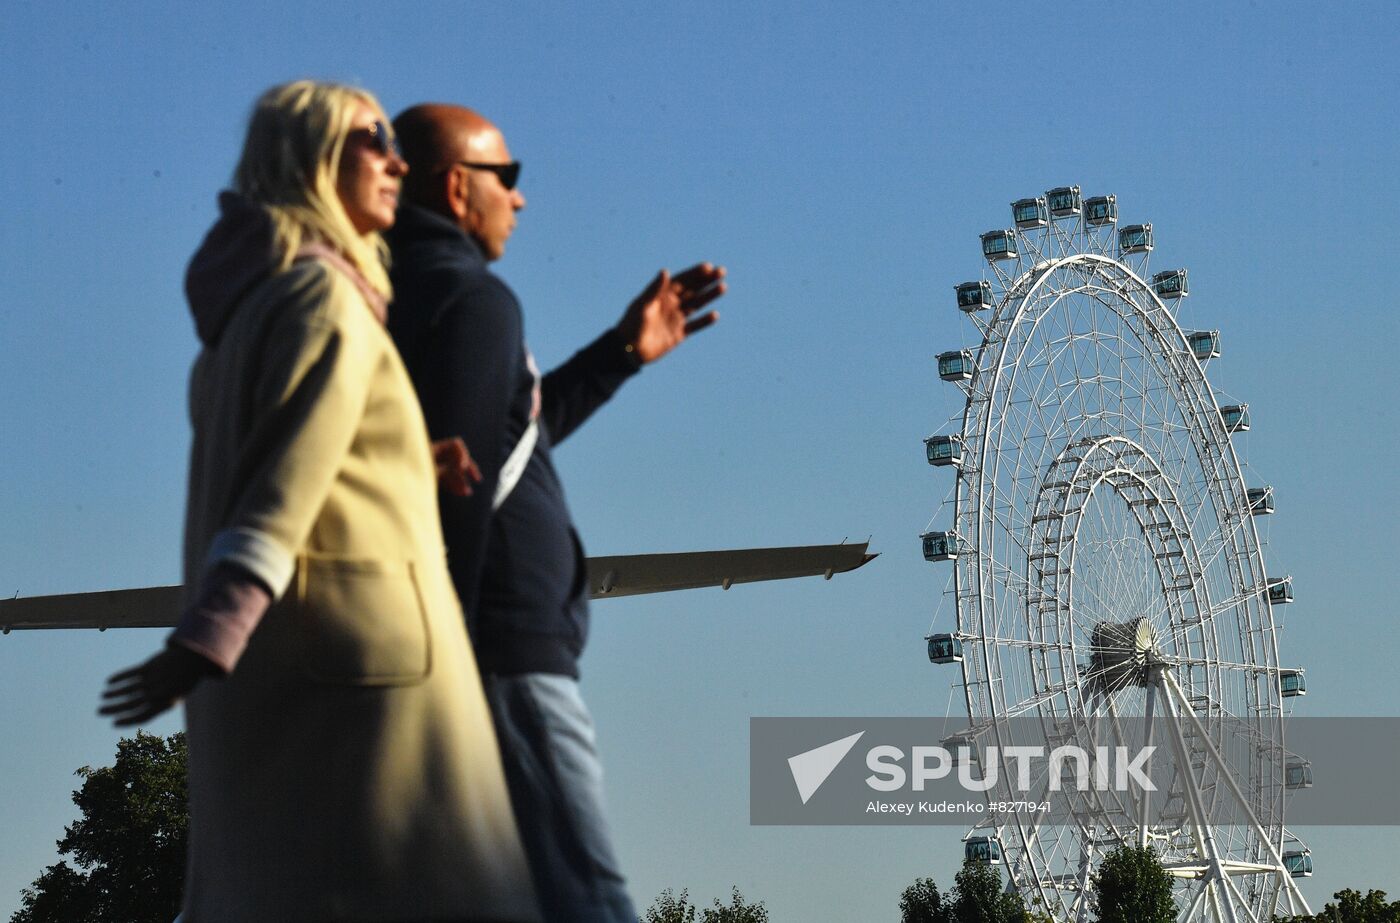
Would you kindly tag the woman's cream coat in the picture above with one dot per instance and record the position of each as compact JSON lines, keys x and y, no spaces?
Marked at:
{"x":347,"y":769}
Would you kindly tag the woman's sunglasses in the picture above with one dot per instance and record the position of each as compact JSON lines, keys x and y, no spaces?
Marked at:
{"x":380,"y":138}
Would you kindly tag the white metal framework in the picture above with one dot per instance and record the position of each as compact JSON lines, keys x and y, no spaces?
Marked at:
{"x":1109,"y":567}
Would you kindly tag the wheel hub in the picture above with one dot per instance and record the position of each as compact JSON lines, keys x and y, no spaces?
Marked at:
{"x":1123,"y":654}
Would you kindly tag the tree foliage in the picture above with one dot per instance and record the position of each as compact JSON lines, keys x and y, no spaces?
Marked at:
{"x":1130,"y":886}
{"x":737,"y":910}
{"x":128,"y":844}
{"x":1351,"y":906}
{"x":977,"y":896}
{"x":670,"y":908}
{"x":921,"y":902}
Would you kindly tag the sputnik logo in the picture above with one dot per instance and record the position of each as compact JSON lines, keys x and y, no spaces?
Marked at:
{"x":811,"y":769}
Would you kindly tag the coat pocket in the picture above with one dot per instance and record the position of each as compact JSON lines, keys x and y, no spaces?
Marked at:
{"x":362,"y":622}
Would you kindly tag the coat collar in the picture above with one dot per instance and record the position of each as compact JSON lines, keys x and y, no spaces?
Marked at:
{"x":318,"y":250}
{"x":417,"y":226}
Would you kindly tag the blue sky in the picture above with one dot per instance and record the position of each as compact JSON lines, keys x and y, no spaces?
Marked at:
{"x":840,"y":160}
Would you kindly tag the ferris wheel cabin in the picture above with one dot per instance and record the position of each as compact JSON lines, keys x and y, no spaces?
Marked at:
{"x":955,"y":366}
{"x":982,"y":850}
{"x":962,"y":749}
{"x":1135,"y":238}
{"x":1063,"y":201}
{"x":1298,"y":862}
{"x":1261,"y":500}
{"x":1298,"y":774}
{"x":1170,"y":283}
{"x":1205,"y":344}
{"x":940,"y":546}
{"x":1280,"y":590}
{"x":999,"y":245}
{"x":944,"y":450}
{"x":1030,"y":213}
{"x":945,"y":649}
{"x":1236,"y":417}
{"x":975,"y":296}
{"x":1292,"y":684}
{"x":1101,"y":209}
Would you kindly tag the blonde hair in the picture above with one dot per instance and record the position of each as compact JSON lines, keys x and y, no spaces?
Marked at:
{"x":290,"y":164}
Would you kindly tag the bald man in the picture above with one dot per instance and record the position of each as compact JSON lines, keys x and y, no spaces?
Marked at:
{"x":516,"y":559}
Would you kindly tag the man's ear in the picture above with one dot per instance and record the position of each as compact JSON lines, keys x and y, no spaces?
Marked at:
{"x":457,"y":192}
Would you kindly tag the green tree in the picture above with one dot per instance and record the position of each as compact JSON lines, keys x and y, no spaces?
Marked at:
{"x":1130,"y":886}
{"x":1350,"y":906}
{"x":737,"y":911}
{"x":668,"y":908}
{"x":978,"y":896}
{"x":1373,"y":908}
{"x":128,"y":845}
{"x":921,"y":903}
{"x":671,"y":908}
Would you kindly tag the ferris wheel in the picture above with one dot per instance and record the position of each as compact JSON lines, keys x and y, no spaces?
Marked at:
{"x":1108,"y":570}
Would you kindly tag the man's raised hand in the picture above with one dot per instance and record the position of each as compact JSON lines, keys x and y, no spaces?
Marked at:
{"x":668,"y":310}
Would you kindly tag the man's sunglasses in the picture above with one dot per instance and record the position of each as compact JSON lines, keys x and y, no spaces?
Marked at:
{"x":380,"y":138}
{"x":507,"y":173}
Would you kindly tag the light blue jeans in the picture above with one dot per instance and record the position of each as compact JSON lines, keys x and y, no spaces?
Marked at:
{"x":556,"y":788}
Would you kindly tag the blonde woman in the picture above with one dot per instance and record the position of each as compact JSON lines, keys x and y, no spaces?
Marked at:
{"x":342,"y":759}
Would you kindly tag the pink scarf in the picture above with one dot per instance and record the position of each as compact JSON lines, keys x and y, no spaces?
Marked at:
{"x":318,"y":250}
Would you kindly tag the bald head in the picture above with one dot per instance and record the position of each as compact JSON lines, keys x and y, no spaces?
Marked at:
{"x":434,"y":136}
{"x":439,"y":140}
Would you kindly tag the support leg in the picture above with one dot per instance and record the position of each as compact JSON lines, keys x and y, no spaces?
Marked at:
{"x":1205,"y":836}
{"x":1145,"y":805}
{"x":1172,"y":687}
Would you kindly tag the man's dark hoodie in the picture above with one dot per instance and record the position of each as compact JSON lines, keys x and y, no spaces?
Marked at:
{"x":520,"y":571}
